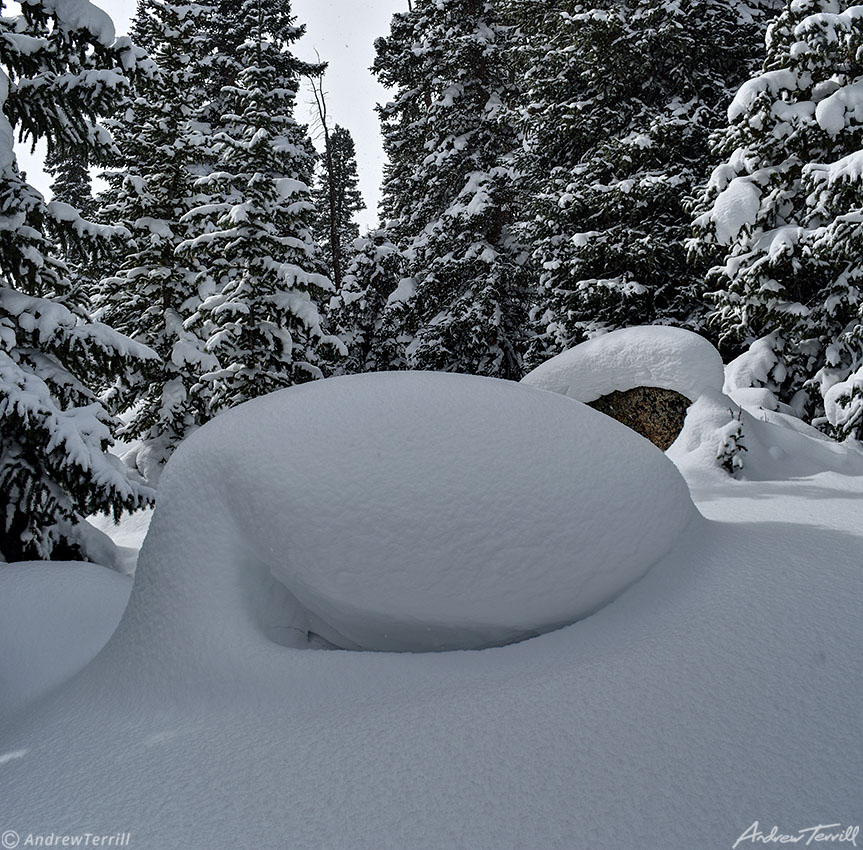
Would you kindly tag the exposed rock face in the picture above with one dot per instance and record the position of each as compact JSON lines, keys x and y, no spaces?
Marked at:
{"x":655,"y":413}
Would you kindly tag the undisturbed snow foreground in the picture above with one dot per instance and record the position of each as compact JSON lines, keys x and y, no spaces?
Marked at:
{"x":719,"y":689}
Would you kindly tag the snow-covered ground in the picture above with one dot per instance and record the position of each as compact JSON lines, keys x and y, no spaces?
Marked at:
{"x":55,"y":618}
{"x":128,"y":536}
{"x":719,"y":689}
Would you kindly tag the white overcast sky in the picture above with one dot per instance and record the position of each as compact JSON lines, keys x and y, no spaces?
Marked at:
{"x":343,"y":32}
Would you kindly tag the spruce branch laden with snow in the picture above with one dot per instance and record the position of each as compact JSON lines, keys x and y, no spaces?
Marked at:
{"x":60,"y":68}
{"x":781,"y":217}
{"x":263,"y":270}
{"x":450,"y":189}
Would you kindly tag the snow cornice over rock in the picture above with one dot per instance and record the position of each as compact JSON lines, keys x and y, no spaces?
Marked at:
{"x":655,"y":356}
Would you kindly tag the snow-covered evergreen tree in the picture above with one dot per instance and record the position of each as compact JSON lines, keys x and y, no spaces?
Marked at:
{"x":141,"y":29}
{"x":166,"y":147}
{"x":358,"y":314}
{"x":71,"y":183}
{"x":227,"y":30}
{"x":450,"y":188}
{"x":60,"y":68}
{"x":337,"y":197}
{"x":621,"y":97}
{"x":255,"y":238}
{"x":782,"y":215}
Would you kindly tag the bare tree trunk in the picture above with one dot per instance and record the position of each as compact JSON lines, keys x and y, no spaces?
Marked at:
{"x":335,"y":246}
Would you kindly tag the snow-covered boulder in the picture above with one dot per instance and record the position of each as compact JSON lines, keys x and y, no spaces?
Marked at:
{"x":649,"y":356}
{"x":653,"y":412}
{"x":403,"y":511}
{"x":734,"y":423}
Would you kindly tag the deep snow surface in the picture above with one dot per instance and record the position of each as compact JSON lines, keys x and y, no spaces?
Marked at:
{"x":720,"y":689}
{"x":402,"y":511}
{"x":54,"y":618}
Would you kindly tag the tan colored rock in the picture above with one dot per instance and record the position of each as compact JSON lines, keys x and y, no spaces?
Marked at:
{"x":655,"y":413}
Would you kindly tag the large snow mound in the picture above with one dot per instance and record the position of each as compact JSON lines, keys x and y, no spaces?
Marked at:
{"x":404,"y":511}
{"x":717,"y":691}
{"x":649,"y":356}
{"x":54,"y":618}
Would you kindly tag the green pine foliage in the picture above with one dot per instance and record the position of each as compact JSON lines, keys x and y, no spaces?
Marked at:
{"x":337,"y":197}
{"x":450,"y":189}
{"x":71,"y":183}
{"x":263,"y":269}
{"x":60,"y":68}
{"x":152,"y":295}
{"x":781,"y":217}
{"x":359,"y":314}
{"x":620,"y":100}
{"x":228,"y":29}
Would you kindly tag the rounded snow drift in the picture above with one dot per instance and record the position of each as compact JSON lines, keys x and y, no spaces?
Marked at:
{"x":650,"y":356}
{"x":54,"y":618}
{"x":413,"y":511}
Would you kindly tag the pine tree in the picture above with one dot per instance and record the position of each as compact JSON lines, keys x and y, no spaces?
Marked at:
{"x":141,"y":30}
{"x":153,"y":295}
{"x":450,"y":188}
{"x":621,"y":97}
{"x":228,"y":30}
{"x":338,"y":200}
{"x":263,"y":319}
{"x":60,"y":67}
{"x":71,"y":184}
{"x":781,"y":216}
{"x":358,"y":314}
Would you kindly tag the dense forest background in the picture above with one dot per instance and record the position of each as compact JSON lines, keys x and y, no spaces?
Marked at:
{"x":556,"y":170}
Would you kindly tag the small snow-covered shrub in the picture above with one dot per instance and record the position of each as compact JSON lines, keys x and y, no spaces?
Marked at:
{"x":732,"y":446}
